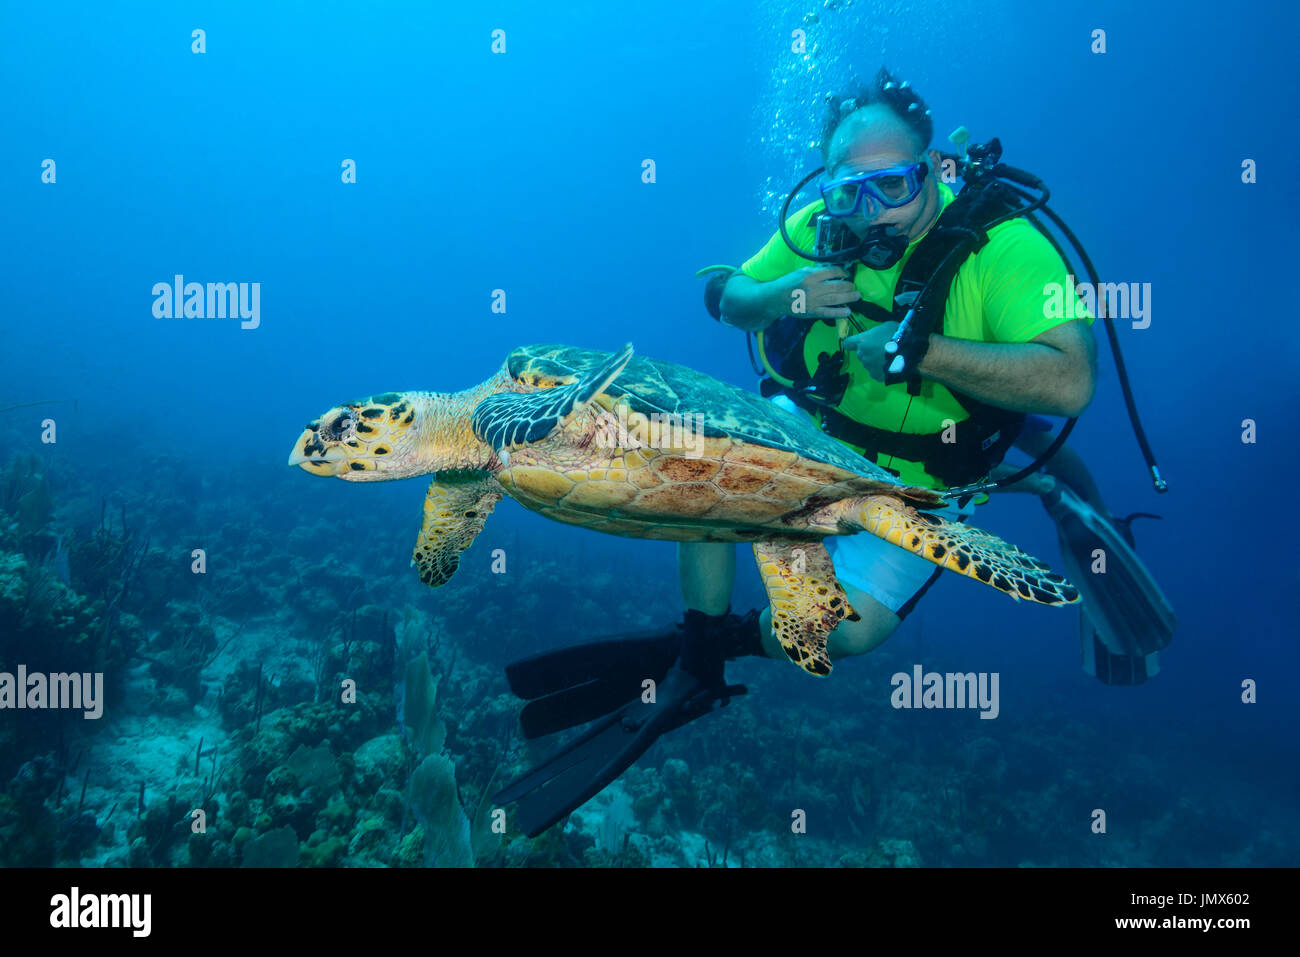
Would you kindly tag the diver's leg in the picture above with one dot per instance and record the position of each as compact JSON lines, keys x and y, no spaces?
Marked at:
{"x":707,"y":571}
{"x":1066,"y":465}
{"x":858,"y":637}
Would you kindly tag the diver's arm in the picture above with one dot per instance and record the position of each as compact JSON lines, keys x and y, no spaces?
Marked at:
{"x":747,"y":303}
{"x":752,"y":305}
{"x":1055,"y":373}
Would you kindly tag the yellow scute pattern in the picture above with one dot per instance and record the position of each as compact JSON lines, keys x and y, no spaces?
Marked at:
{"x":600,"y":494}
{"x":545,"y":484}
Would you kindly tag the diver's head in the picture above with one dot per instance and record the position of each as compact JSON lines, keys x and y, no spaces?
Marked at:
{"x":883,"y":128}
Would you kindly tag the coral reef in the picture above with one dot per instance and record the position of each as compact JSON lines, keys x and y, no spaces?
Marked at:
{"x":304,"y":701}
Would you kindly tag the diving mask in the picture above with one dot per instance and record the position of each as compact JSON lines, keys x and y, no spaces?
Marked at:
{"x":886,"y":188}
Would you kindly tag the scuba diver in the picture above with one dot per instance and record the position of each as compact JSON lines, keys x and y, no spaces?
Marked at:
{"x":910,"y":322}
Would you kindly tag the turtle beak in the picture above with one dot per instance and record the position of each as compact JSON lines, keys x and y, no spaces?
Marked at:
{"x":315,"y":457}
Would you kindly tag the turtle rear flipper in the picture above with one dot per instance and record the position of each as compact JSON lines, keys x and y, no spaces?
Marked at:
{"x":960,"y":548}
{"x":509,"y":420}
{"x":455,"y":509}
{"x":806,"y":599}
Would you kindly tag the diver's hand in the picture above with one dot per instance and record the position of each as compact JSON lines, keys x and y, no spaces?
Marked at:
{"x":818,"y":292}
{"x":870,"y":347}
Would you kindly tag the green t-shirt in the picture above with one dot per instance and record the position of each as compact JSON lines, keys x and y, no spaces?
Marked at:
{"x":998,"y":295}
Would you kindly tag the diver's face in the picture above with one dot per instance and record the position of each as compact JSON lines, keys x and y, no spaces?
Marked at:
{"x":874,"y":139}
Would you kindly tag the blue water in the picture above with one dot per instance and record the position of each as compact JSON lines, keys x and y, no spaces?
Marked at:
{"x":521,"y":171}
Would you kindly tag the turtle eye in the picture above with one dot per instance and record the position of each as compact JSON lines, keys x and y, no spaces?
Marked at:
{"x":336,"y":429}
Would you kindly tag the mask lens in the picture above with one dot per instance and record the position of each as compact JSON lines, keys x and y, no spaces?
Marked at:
{"x":892,"y":187}
{"x":886,"y":187}
{"x":841,"y":198}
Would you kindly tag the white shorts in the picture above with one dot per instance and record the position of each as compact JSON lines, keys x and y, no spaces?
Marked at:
{"x":889,"y":574}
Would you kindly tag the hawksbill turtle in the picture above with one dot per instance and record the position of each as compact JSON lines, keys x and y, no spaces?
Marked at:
{"x":571,"y":433}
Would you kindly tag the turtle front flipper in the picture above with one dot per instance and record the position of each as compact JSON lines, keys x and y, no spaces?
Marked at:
{"x":509,"y":420}
{"x":455,"y":509}
{"x":806,"y":599}
{"x":968,"y":551}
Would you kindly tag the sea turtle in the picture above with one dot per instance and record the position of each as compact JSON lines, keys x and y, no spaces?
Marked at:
{"x":650,"y":449}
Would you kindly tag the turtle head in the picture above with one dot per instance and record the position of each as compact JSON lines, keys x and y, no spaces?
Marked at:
{"x":372,"y":440}
{"x":394,"y":435}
